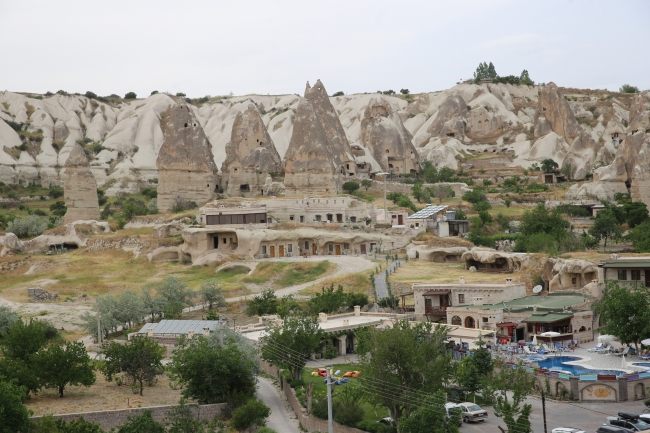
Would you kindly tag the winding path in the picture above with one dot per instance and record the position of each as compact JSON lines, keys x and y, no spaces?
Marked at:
{"x":282,"y":418}
{"x":380,"y":280}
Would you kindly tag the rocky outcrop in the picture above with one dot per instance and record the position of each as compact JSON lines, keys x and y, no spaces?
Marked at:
{"x":384,"y":134}
{"x":436,"y":254}
{"x":186,"y":169}
{"x":80,"y":188}
{"x":555,"y":114}
{"x":337,"y":141}
{"x":250,"y":155}
{"x":496,"y":260}
{"x":309,"y":166}
{"x":451,"y":118}
{"x":66,"y":236}
{"x":561,"y":274}
{"x":272,"y":188}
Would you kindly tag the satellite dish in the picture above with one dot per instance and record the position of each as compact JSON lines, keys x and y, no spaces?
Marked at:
{"x":537,"y":289}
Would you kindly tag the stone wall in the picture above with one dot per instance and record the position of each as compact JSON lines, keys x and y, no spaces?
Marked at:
{"x":311,"y":423}
{"x":459,"y":188}
{"x":109,"y":419}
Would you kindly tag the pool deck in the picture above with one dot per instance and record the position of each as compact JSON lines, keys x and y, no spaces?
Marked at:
{"x":601,"y":361}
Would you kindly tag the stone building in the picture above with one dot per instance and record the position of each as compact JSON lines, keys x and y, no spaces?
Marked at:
{"x":186,"y":168}
{"x":80,"y":188}
{"x":250,"y":156}
{"x":483,"y":122}
{"x":384,"y":135}
{"x":625,"y":270}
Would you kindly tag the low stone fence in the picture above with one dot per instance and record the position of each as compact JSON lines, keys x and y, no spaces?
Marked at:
{"x":592,"y":387}
{"x":309,"y":422}
{"x":459,"y":188}
{"x":108,"y":419}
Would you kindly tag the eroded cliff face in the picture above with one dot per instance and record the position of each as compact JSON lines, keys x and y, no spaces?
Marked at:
{"x":554,"y":114}
{"x":250,"y":155}
{"x":384,"y":135}
{"x":80,"y":188}
{"x":309,"y":166}
{"x":186,"y":168}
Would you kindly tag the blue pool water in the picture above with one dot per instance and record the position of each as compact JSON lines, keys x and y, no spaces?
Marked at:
{"x":559,"y":363}
{"x":642,"y":364}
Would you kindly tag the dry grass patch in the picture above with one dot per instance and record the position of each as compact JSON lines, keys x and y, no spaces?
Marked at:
{"x":102,"y":395}
{"x":357,"y":283}
{"x":433,"y":240}
{"x":420,"y":271}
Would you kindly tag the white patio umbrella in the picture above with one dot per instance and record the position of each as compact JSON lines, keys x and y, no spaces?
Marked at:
{"x":646,"y":342}
{"x":606,"y":338}
{"x":551,"y":334}
{"x":624,"y":363}
{"x":535,"y":339}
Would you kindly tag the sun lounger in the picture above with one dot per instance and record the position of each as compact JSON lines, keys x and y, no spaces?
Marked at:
{"x":548,"y":349}
{"x":559,"y":347}
{"x":623,"y":353}
{"x":527,"y":351}
{"x":598,"y":347}
{"x":605,"y":350}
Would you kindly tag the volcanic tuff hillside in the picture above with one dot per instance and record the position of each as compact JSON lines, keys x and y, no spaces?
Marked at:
{"x":514,"y":123}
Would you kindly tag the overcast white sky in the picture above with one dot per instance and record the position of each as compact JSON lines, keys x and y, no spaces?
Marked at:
{"x":217,"y":47}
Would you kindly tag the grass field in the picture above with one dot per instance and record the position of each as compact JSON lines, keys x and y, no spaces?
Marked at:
{"x":286,"y":274}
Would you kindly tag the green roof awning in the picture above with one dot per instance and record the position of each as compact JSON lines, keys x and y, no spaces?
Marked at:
{"x":548,"y":318}
{"x":626,"y":264}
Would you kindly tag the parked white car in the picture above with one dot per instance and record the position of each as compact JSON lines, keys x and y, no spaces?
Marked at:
{"x":567,"y":430}
{"x":472,"y":412}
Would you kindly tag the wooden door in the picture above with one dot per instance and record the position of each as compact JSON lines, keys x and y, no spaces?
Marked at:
{"x":400,"y":220}
{"x":363,"y":248}
{"x":281,"y":251}
{"x":272,"y":251}
{"x":314,"y":248}
{"x":338,"y":249}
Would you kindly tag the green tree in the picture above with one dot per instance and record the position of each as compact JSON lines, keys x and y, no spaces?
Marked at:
{"x":139,"y":358}
{"x":406,"y":359}
{"x":181,"y":419}
{"x":431,"y":417}
{"x":508,"y":388}
{"x":636,"y":212}
{"x":366,"y":183}
{"x":328,"y":301}
{"x":467,"y":375}
{"x":7,"y":319}
{"x":264,"y":303}
{"x":254,"y":412}
{"x":640,"y":237}
{"x":211,"y":372}
{"x":290,"y":344}
{"x":24,"y":339}
{"x":606,"y":227}
{"x":475,"y":196}
{"x":59,"y":366}
{"x":288,"y":306}
{"x":14,"y":416}
{"x":141,"y":424}
{"x":624,"y":311}
{"x":130,"y":95}
{"x":404,"y":91}
{"x":549,"y":166}
{"x":540,"y":220}
{"x":485,"y":71}
{"x":339,"y":93}
{"x":47,"y":424}
{"x":212,"y":294}
{"x":175,"y":295}
{"x":626,"y":88}
{"x":350,"y":187}
{"x":58,"y":208}
{"x":525,"y":78}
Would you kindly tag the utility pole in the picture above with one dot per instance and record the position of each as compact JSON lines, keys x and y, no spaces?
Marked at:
{"x":99,"y":330}
{"x":222,"y":324}
{"x":330,"y":419}
{"x":544,"y":410}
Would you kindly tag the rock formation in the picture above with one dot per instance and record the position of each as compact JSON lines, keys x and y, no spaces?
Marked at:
{"x":384,"y":134}
{"x":451,"y":118}
{"x":308,"y":163}
{"x":186,"y":169}
{"x":561,"y":274}
{"x":80,"y":188}
{"x":250,"y":155}
{"x":555,"y":114}
{"x":630,"y":169}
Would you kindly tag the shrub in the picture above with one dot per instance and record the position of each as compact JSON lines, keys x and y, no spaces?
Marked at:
{"x":347,"y":414}
{"x":329,"y":351}
{"x":350,"y":187}
{"x":7,"y":318}
{"x":150,"y":192}
{"x":404,"y":91}
{"x":626,"y":88}
{"x":58,"y":208}
{"x":474,"y":196}
{"x":254,"y":412}
{"x":339,"y":93}
{"x":29,"y":226}
{"x":55,"y":192}
{"x":130,"y":95}
{"x":507,"y":202}
{"x":91,"y":95}
{"x":181,"y":205}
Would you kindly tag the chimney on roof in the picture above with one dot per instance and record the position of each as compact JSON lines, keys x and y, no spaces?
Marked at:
{"x":534,"y":308}
{"x":508,"y":281}
{"x":206,"y":331}
{"x":478,"y":300}
{"x":149,"y":332}
{"x":190,"y":334}
{"x":462,"y":280}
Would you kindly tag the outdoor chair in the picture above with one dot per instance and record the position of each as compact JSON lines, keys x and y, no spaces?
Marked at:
{"x":548,"y":349}
{"x":598,"y":347}
{"x":527,"y":351}
{"x":623,"y":353}
{"x":606,"y":350}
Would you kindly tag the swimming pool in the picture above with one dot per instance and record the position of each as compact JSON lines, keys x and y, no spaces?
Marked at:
{"x":560,"y":363}
{"x":642,"y":364}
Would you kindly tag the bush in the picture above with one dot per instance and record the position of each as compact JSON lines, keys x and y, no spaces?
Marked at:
{"x":339,"y":93}
{"x":475,"y":196}
{"x":347,"y":414}
{"x":130,"y":95}
{"x":91,"y":95}
{"x":254,"y":412}
{"x":149,"y":192}
{"x":350,"y":187}
{"x":375,"y":427}
{"x":626,"y":88}
{"x":58,"y":208}
{"x":29,"y":226}
{"x":329,"y":351}
{"x":55,"y":192}
{"x":181,"y":205}
{"x":542,"y":242}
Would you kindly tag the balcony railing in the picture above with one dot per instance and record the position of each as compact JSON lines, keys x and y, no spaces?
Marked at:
{"x":434,"y":311}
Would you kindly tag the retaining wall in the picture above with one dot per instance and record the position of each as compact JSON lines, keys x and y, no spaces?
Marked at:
{"x":108,"y":419}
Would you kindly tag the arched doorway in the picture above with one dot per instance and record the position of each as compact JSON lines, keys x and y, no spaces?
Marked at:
{"x":469,"y":322}
{"x":456,"y":321}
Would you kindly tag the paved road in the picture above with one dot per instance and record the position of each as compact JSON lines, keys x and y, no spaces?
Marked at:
{"x":282,"y":418}
{"x":585,"y":416}
{"x":344,"y":265}
{"x":380,"y":281}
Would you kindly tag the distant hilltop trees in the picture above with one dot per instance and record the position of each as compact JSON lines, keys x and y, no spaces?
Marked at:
{"x":486,"y":71}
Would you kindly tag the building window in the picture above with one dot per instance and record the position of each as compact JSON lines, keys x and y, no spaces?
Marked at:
{"x":302,"y":218}
{"x":573,"y":280}
{"x":622,"y":274}
{"x":485,"y":319}
{"x":306,"y":245}
{"x":353,"y":219}
{"x":346,"y":246}
{"x":461,"y":298}
{"x":330,"y":247}
{"x":223,"y":240}
{"x":636,"y":275}
{"x":317,"y":217}
{"x":290,"y":248}
{"x":291,"y":217}
{"x":263,"y":249}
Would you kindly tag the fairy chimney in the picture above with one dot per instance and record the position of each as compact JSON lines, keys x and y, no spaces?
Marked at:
{"x":80,"y":188}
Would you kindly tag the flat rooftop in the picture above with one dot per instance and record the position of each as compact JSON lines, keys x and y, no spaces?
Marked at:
{"x":553,"y":301}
